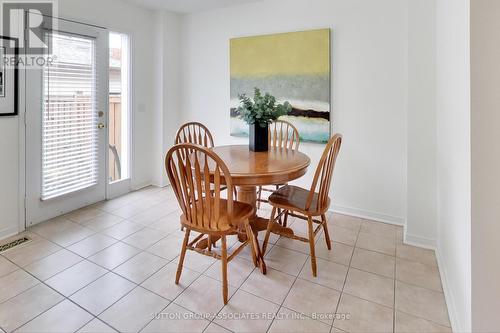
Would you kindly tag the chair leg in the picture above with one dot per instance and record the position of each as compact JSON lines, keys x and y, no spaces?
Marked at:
{"x":325,"y":229}
{"x":268,"y":231}
{"x":259,"y":196}
{"x":251,"y":240}
{"x":181,"y":258}
{"x":279,"y":210}
{"x":224,"y":268}
{"x":311,"y":245}
{"x":285,"y":219}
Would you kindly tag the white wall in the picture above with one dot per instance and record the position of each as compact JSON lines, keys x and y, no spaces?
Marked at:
{"x":369,"y":88}
{"x":453,"y":157}
{"x":485,"y":124}
{"x":9,"y":176}
{"x":422,"y":192}
{"x":168,"y":90}
{"x":116,"y":16}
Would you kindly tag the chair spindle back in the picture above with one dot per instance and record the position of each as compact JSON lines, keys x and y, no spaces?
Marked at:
{"x":195,"y":133}
{"x":283,"y":134}
{"x":191,"y":169}
{"x":324,"y":173}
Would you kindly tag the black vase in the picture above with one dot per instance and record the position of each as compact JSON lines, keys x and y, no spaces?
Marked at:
{"x":258,"y":137}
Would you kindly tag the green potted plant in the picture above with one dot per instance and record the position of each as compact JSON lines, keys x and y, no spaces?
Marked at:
{"x":259,"y":112}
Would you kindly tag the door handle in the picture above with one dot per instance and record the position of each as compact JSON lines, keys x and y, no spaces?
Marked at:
{"x":100,"y":126}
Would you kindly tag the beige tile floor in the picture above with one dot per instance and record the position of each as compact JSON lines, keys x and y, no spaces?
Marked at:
{"x":111,"y":266}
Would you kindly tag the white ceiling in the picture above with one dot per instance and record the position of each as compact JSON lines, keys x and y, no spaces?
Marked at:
{"x":187,"y":6}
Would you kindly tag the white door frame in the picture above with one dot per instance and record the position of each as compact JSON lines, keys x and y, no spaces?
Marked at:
{"x":102,"y":105}
{"x":124,"y":186}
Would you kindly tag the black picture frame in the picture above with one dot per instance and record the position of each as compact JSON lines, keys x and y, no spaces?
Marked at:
{"x":16,"y":76}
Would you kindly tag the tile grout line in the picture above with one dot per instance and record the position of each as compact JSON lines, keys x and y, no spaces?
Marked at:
{"x":293,"y":283}
{"x":281,"y":305}
{"x":138,"y":213}
{"x":51,"y":307}
{"x":419,"y":317}
{"x":41,"y":258}
{"x":126,"y":294}
{"x":359,"y":230}
{"x":135,"y":232}
{"x":50,"y":277}
{"x":68,"y":245}
{"x":203,"y":273}
{"x":200,"y":273}
{"x":289,"y":290}
{"x":64,"y":296}
{"x":239,"y":288}
{"x":346,"y":276}
{"x":150,"y":276}
{"x":83,"y":287}
{"x":173,"y":301}
{"x":36,"y":261}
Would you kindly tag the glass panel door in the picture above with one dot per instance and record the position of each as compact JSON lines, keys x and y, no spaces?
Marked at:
{"x":66,"y":116}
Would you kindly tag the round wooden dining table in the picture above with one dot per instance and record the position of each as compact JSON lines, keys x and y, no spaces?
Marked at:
{"x":251,"y":169}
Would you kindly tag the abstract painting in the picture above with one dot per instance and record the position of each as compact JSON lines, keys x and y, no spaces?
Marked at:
{"x":293,"y":67}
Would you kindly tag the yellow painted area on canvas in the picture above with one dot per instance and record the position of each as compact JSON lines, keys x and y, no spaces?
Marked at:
{"x":281,"y":54}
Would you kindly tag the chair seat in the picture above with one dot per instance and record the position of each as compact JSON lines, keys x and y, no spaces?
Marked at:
{"x":241,"y":212}
{"x":295,"y":198}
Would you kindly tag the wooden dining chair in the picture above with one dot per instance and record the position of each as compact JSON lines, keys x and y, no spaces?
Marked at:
{"x":282,"y":134}
{"x":190,"y":168}
{"x":195,"y":133}
{"x":307,"y":204}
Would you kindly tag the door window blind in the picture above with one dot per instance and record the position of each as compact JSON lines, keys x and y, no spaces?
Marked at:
{"x":69,"y":122}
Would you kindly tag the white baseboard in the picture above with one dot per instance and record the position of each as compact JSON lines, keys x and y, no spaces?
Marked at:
{"x":136,"y":187}
{"x":399,"y":221}
{"x":5,"y":233}
{"x":368,"y":215}
{"x":456,"y":320}
{"x":160,"y":182}
{"x":419,"y":241}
